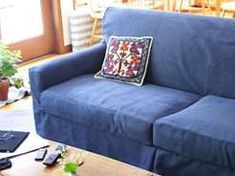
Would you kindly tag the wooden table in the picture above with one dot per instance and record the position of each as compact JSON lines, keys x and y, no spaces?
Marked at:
{"x":94,"y":165}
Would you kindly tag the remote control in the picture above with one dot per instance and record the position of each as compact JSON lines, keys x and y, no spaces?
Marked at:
{"x":41,"y":154}
{"x":61,"y":148}
{"x":5,"y":163}
{"x":52,"y":158}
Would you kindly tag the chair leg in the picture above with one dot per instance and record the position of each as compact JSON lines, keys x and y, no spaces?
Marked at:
{"x":203,"y":7}
{"x":209,"y":7}
{"x":172,"y":5}
{"x":233,"y":14}
{"x":190,"y":5}
{"x":223,"y":13}
{"x":93,"y":31}
{"x":168,"y":5}
{"x":180,"y":5}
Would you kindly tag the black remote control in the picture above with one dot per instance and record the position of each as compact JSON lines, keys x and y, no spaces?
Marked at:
{"x":52,"y":158}
{"x":41,"y":153}
{"x":61,"y":147}
{"x":5,"y":163}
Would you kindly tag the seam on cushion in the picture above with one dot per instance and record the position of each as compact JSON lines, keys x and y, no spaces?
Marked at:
{"x":103,"y":110}
{"x":209,"y":72}
{"x":200,"y":160}
{"x":86,"y":125}
{"x":113,"y":111}
{"x":37,"y":93}
{"x":205,"y":137}
{"x":73,"y":102}
{"x":178,"y":105}
{"x":78,"y":101}
{"x":82,"y":102}
{"x":53,"y":95}
{"x":186,"y":107}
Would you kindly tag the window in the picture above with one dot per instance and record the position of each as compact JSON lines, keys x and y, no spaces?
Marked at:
{"x":20,"y":20}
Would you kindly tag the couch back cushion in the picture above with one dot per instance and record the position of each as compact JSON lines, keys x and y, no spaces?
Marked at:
{"x":187,"y":51}
{"x":222,"y":67}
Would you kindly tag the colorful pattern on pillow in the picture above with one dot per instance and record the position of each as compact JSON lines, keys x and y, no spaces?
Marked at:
{"x":126,"y":59}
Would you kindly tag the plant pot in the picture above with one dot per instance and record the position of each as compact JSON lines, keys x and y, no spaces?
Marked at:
{"x":4,"y":88}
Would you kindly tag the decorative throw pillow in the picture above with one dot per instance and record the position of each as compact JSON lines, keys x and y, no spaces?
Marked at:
{"x":126,"y":59}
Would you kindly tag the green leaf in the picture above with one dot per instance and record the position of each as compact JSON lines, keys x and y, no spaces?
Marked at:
{"x":70,"y":167}
{"x":8,"y":60}
{"x":17,"y":82}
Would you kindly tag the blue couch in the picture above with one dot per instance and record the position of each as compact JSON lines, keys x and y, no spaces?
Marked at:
{"x":180,"y":122}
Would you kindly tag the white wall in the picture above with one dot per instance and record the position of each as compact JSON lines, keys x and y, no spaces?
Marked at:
{"x":66,"y":8}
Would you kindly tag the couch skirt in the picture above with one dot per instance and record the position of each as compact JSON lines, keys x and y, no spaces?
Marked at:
{"x":171,"y":164}
{"x":101,"y":142}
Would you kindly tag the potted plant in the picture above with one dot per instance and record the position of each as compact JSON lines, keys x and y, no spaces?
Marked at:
{"x":8,"y":60}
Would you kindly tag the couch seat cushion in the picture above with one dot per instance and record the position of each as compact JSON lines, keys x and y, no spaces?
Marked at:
{"x":122,"y":109}
{"x":204,"y":131}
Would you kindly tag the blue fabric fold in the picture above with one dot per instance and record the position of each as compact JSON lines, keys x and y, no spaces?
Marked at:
{"x":204,"y":131}
{"x":190,"y":52}
{"x":86,"y":61}
{"x":118,"y":108}
{"x":192,"y":56}
{"x":172,"y":164}
{"x":97,"y":141}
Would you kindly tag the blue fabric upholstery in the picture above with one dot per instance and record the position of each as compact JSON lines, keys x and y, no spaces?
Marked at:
{"x":173,"y":164}
{"x":121,"y":109}
{"x":82,"y":62}
{"x":98,"y":141}
{"x":222,"y":74}
{"x":160,"y":126}
{"x":184,"y":55}
{"x":204,"y":131}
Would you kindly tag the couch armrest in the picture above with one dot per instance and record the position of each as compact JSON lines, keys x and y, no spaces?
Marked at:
{"x":86,"y":61}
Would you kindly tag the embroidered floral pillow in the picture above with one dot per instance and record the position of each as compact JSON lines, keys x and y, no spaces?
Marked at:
{"x":126,"y":59}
